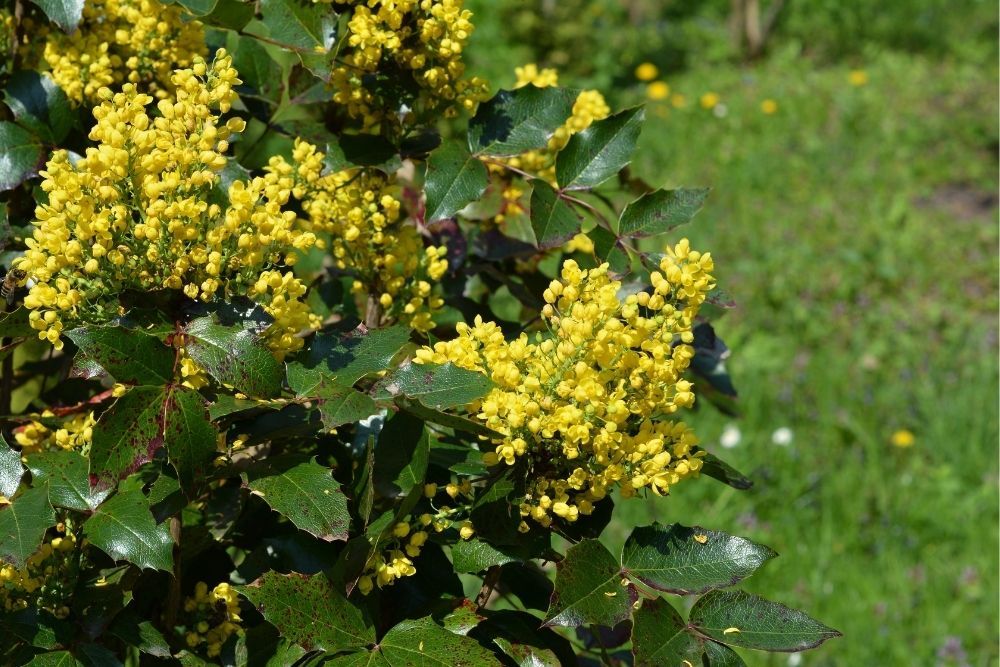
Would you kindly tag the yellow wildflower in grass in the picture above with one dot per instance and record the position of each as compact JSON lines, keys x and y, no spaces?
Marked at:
{"x":658,"y":90}
{"x":769,"y":107}
{"x":709,"y":100}
{"x":134,"y":213}
{"x":119,"y":41}
{"x":361,"y":212}
{"x":75,"y":433}
{"x":586,"y":406}
{"x":646,"y":72}
{"x":426,"y":38}
{"x":211,"y":617}
{"x":903,"y":439}
{"x":857,"y":77}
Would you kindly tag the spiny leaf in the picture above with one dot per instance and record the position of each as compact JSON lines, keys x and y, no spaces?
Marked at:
{"x":515,"y":121}
{"x":423,"y":642}
{"x":472,"y":556}
{"x":659,"y":212}
{"x":23,"y":524}
{"x":64,"y":13}
{"x":123,"y":528}
{"x":438,"y":387}
{"x":20,"y":155}
{"x":305,"y":493}
{"x":660,"y":637}
{"x":66,"y":474}
{"x":132,"y":357}
{"x":298,"y":24}
{"x":718,"y":469}
{"x":342,"y":361}
{"x":454,"y":179}
{"x":589,"y":588}
{"x":234,"y":356}
{"x":39,"y":105}
{"x":11,"y":469}
{"x":600,"y":151}
{"x":127,"y":435}
{"x":343,"y":405}
{"x":552,"y":220}
{"x":190,"y":438}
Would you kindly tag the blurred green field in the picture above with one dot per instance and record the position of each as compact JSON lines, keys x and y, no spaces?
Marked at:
{"x":856,"y":227}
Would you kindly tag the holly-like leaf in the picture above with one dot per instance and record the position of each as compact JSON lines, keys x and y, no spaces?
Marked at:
{"x":131,"y":357}
{"x":342,"y":361}
{"x":189,"y":436}
{"x":660,"y":636}
{"x":609,"y":248}
{"x":123,"y":528}
{"x":55,"y":659}
{"x":20,"y":155}
{"x":720,"y":655}
{"x":64,"y":13}
{"x":589,"y":588}
{"x":472,"y":556}
{"x":234,"y":356}
{"x":424,"y":642}
{"x":299,"y":24}
{"x":310,"y":612}
{"x":305,"y":493}
{"x":401,"y":456}
{"x":683,"y":560}
{"x":659,"y":212}
{"x":742,"y":619}
{"x":130,"y":627}
{"x":454,"y":179}
{"x":39,"y":105}
{"x":718,"y":469}
{"x":127,"y":435}
{"x":552,"y":220}
{"x":438,"y":387}
{"x":15,"y":324}
{"x":65,"y":473}
{"x":600,"y":151}
{"x":455,"y":422}
{"x":515,"y":121}
{"x":343,"y":405}
{"x":231,"y":15}
{"x":525,"y":655}
{"x":23,"y":524}
{"x":11,"y":469}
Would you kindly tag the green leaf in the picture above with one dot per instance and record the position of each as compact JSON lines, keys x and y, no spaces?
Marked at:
{"x":720,"y":655}
{"x":515,"y":121}
{"x":438,"y":387}
{"x":600,"y":151}
{"x":343,"y":405}
{"x":11,"y":469}
{"x":455,"y":422}
{"x":198,"y":8}
{"x":743,"y":619}
{"x":130,"y":627}
{"x":525,"y":655}
{"x":552,"y":220}
{"x":15,"y":324}
{"x":55,"y":659}
{"x":309,"y":611}
{"x":65,"y":473}
{"x":189,"y":436}
{"x":123,"y":528}
{"x":473,"y":556}
{"x":718,"y":469}
{"x":64,"y":13}
{"x":454,"y":179}
{"x":131,"y":357}
{"x":423,"y":642}
{"x":299,"y":24}
{"x":401,"y":456}
{"x":234,"y":356}
{"x":589,"y":588}
{"x":305,"y":493}
{"x":127,"y":435}
{"x":20,"y":155}
{"x":23,"y":524}
{"x":342,"y":361}
{"x":660,"y":637}
{"x":659,"y":212}
{"x":39,"y":105}
{"x":683,"y":560}
{"x":231,"y":15}
{"x":609,"y":248}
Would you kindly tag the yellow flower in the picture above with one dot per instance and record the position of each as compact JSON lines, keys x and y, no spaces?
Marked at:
{"x":646,"y":72}
{"x":658,"y":90}
{"x":769,"y":107}
{"x":709,"y":100}
{"x":678,"y":101}
{"x":857,"y":77}
{"x":903,"y":439}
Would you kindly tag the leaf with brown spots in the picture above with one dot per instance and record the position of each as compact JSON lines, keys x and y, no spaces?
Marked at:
{"x":127,"y":435}
{"x":132,"y":357}
{"x":589,"y":588}
{"x":305,"y":493}
{"x":190,"y":438}
{"x":235,"y":356}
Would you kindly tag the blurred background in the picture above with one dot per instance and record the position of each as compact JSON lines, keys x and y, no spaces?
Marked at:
{"x":852,"y":150}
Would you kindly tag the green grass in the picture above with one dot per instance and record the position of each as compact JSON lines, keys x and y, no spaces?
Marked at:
{"x":857,"y":230}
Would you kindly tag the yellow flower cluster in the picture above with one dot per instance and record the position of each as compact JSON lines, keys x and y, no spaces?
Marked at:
{"x":135,"y":213}
{"x":45,"y":581}
{"x":212,"y":616}
{"x":585,"y":408}
{"x":74,"y":434}
{"x":360,"y":211}
{"x":119,"y":41}
{"x":423,"y":37}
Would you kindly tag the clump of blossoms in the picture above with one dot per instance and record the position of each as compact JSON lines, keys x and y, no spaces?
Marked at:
{"x":75,"y":433}
{"x":211,"y":617}
{"x":135,"y":213}
{"x":123,"y":41}
{"x":47,"y":579}
{"x":421,"y":40}
{"x":585,"y":407}
{"x":360,"y":212}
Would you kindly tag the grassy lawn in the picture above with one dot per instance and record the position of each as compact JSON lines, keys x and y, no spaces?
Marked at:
{"x":857,"y":229}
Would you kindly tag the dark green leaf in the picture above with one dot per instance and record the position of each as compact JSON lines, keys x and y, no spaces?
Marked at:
{"x":190,"y":438}
{"x":660,"y":211}
{"x":454,"y":179}
{"x":11,"y":469}
{"x":715,"y":467}
{"x":37,"y":628}
{"x":39,"y":105}
{"x":720,"y":655}
{"x":343,"y":405}
{"x":234,"y":356}
{"x":600,"y":151}
{"x":439,"y":387}
{"x":64,"y":13}
{"x":422,"y":642}
{"x":310,"y":612}
{"x":127,"y":435}
{"x":609,"y":248}
{"x":130,"y":627}
{"x":305,"y":493}
{"x":230,"y":14}
{"x":455,"y":422}
{"x":55,"y":659}
{"x":15,"y":324}
{"x":473,"y":556}
{"x":742,"y":619}
{"x":299,"y":24}
{"x":23,"y":524}
{"x":660,"y":636}
{"x":345,"y":360}
{"x":401,"y":456}
{"x":589,"y":588}
{"x":552,"y":220}
{"x":525,"y":655}
{"x":494,"y":513}
{"x":198,"y":7}
{"x":683,"y":560}
{"x":131,"y":357}
{"x":20,"y":155}
{"x":65,"y":473}
{"x":515,"y":121}
{"x":123,"y":528}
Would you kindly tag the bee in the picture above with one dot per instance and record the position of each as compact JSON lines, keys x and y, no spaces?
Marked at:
{"x":11,"y":283}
